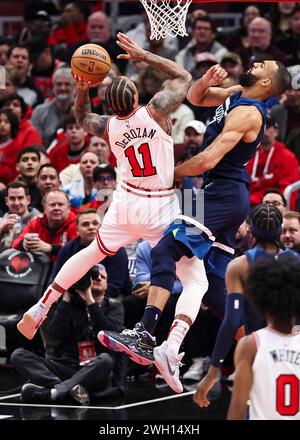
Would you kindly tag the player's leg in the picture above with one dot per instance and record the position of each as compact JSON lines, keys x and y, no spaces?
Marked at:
{"x":139,"y":342}
{"x":110,"y":237}
{"x":191,"y":273}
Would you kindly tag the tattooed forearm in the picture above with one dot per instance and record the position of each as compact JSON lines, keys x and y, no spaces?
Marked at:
{"x":171,"y":69}
{"x":171,"y":96}
{"x":91,"y":122}
{"x":82,"y":105}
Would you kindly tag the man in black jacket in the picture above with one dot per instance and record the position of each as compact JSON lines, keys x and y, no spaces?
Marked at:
{"x":79,"y":368}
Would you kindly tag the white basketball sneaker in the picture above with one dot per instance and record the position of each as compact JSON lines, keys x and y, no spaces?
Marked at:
{"x":32,"y":319}
{"x":168,"y":366}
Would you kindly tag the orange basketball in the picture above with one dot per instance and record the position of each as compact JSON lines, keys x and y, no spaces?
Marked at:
{"x":91,"y":62}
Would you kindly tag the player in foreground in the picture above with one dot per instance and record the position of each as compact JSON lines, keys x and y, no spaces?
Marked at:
{"x":266,"y":225}
{"x":230,"y":140}
{"x":267,"y":367}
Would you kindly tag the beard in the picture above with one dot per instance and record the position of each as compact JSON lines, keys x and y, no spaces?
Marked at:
{"x":247,"y":79}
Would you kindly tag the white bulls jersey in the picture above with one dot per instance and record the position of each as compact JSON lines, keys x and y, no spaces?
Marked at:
{"x":275,"y":392}
{"x":144,"y":151}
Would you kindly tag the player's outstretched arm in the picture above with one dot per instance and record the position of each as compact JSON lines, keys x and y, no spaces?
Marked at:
{"x":242,"y":123}
{"x":91,"y":122}
{"x":243,"y":360}
{"x":203,"y":91}
{"x":176,"y":89}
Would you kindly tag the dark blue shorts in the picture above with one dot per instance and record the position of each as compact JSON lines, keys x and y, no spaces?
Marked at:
{"x":226,"y":205}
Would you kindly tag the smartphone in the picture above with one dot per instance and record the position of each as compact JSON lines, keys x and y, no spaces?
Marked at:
{"x":136,"y":286}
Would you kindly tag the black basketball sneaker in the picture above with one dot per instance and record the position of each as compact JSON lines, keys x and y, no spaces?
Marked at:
{"x":138,"y":344}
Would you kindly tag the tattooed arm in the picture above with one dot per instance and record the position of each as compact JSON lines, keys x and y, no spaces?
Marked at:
{"x":91,"y":122}
{"x":175,"y":90}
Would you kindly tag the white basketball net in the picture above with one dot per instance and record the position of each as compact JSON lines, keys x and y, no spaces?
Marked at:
{"x":166,"y":17}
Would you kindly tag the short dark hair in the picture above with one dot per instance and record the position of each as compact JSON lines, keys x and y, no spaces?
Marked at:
{"x":16,"y":184}
{"x":69,"y":119}
{"x":282,"y":79}
{"x":11,"y":97}
{"x":273,"y":286}
{"x":29,"y":149}
{"x":120,"y":96}
{"x":207,"y":19}
{"x":47,"y":165}
{"x":103,"y":168}
{"x":85,"y":212}
{"x":18,"y":45}
{"x":13,"y":120}
{"x":276,"y":191}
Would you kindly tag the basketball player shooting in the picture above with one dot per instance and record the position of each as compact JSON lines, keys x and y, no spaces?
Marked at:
{"x":144,"y":203}
{"x":230,"y":140}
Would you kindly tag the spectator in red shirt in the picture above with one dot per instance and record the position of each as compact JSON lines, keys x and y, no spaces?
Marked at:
{"x":69,"y":151}
{"x":49,"y":233}
{"x":273,"y":166}
{"x":28,"y":134}
{"x":72,"y":27}
{"x":9,"y":146}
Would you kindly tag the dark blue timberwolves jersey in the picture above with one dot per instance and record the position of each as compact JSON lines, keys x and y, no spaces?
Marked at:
{"x":232,"y":165}
{"x":257,"y":252}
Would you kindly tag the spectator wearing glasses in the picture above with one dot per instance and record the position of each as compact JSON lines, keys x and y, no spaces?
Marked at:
{"x":105,"y":182}
{"x":273,"y":166}
{"x":290,"y":236}
{"x":274,"y":197}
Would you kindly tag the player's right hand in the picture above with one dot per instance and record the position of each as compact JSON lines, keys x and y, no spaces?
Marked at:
{"x":214,"y":76}
{"x":81,"y":84}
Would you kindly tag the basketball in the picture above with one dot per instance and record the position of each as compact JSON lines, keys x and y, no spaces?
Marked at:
{"x":91,"y":62}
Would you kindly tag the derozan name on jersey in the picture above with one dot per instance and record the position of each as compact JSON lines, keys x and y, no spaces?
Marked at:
{"x":136,"y":134}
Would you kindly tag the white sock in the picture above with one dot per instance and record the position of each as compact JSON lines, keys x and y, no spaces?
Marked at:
{"x":74,"y":269}
{"x":177,"y":334}
{"x":54,"y":394}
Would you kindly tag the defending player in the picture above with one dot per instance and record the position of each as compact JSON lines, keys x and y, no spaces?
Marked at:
{"x":267,"y":363}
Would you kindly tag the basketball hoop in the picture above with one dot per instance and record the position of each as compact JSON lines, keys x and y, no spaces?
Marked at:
{"x":166,"y":17}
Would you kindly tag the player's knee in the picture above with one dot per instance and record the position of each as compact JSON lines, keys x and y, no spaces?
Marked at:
{"x":162,"y":258}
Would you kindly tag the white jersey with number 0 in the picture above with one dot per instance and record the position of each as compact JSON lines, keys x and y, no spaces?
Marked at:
{"x":275,"y":392}
{"x":144,"y":151}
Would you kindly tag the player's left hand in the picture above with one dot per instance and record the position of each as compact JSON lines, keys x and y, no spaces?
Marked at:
{"x":134,"y":51}
{"x":204,"y":386}
{"x":214,"y":76}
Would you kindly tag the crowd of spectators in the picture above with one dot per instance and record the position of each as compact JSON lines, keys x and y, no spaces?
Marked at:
{"x":56,"y":181}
